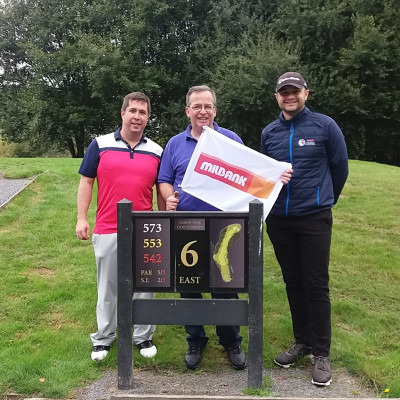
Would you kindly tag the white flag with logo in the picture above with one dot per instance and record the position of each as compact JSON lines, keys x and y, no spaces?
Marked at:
{"x":228,"y":175}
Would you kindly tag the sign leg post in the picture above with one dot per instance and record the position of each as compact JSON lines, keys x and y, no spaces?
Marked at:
{"x":255,"y":294}
{"x":125,"y":290}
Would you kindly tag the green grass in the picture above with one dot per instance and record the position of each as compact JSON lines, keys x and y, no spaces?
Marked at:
{"x":48,"y":289}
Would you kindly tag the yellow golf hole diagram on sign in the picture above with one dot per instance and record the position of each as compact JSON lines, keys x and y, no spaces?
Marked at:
{"x":226,"y":238}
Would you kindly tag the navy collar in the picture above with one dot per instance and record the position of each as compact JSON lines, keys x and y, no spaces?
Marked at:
{"x":117,"y":136}
{"x":296,"y":118}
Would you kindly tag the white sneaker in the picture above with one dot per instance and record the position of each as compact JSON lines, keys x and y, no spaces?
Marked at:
{"x":147,"y":349}
{"x":99,"y":352}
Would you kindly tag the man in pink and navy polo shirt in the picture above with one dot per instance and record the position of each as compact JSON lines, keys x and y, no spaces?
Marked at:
{"x":125,"y":164}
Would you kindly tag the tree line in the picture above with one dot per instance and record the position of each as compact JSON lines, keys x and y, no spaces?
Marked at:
{"x":65,"y":66}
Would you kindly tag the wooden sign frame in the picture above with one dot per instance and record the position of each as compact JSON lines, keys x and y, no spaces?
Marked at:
{"x":177,"y":311}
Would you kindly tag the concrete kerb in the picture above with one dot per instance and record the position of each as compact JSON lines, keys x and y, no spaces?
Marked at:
{"x":200,"y":397}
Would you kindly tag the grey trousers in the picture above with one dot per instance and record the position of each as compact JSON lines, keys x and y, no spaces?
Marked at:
{"x":105,"y":251}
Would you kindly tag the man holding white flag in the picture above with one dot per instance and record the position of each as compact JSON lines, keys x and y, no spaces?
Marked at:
{"x":201,"y":110}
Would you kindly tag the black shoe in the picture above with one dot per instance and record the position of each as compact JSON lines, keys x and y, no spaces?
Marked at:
{"x":236,"y":357}
{"x":322,"y":374}
{"x":289,"y":357}
{"x":193,"y":357}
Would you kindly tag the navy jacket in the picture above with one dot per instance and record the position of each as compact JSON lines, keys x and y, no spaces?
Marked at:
{"x":314,"y":144}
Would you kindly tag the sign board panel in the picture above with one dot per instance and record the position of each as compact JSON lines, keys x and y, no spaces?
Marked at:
{"x":190,"y":254}
{"x":152,"y":257}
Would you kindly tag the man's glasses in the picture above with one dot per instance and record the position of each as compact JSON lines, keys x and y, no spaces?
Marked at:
{"x":199,"y":107}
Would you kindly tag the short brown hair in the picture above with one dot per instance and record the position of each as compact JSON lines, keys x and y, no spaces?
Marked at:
{"x":136,"y":96}
{"x":200,"y":88}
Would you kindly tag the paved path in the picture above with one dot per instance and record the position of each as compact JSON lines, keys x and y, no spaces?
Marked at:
{"x":9,"y":188}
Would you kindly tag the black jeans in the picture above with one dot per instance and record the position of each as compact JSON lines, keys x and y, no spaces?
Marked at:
{"x":302,"y":247}
{"x":228,"y":335}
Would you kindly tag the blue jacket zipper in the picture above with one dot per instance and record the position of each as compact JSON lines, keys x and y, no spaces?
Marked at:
{"x":291,"y":161}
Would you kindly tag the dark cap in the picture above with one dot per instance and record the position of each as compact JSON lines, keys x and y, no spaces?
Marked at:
{"x":290,"y":79}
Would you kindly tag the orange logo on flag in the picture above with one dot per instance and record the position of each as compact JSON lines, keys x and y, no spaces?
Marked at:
{"x":234,"y":176}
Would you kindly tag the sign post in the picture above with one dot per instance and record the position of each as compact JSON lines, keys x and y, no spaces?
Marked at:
{"x":125,"y":290}
{"x":190,"y":252}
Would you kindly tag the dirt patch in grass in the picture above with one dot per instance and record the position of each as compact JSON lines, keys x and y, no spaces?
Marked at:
{"x":38,"y":272}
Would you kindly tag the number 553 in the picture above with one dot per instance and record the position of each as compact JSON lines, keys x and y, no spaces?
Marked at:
{"x":152,"y":243}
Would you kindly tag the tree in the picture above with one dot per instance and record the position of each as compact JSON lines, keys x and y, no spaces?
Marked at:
{"x":245,"y":81}
{"x":371,"y":63}
{"x":80,"y":58}
{"x":161,"y":36}
{"x":65,"y":66}
{"x":52,"y":56}
{"x":351,"y":50}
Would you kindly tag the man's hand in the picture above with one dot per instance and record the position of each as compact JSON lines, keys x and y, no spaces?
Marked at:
{"x":285,"y":177}
{"x":82,"y":229}
{"x":172,"y":201}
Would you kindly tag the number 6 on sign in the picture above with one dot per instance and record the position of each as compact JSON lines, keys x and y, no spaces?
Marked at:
{"x":185,"y":251}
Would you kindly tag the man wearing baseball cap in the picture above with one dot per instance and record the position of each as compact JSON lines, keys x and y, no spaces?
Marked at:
{"x":300,"y":223}
{"x":290,"y":79}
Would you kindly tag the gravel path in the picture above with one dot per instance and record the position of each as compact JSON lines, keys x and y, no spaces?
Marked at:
{"x":292,"y":382}
{"x":9,"y":188}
